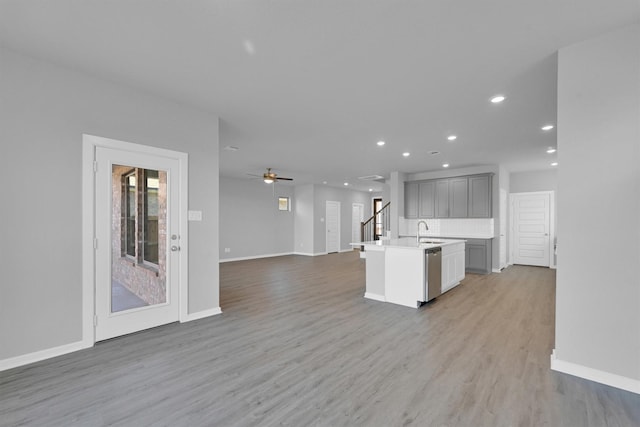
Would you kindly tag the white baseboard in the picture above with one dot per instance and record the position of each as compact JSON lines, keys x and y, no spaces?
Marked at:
{"x":202,"y":314}
{"x":496,"y":270}
{"x":37,"y":356}
{"x":375,"y":297}
{"x":602,"y":377}
{"x":310,"y":253}
{"x":244,"y":258}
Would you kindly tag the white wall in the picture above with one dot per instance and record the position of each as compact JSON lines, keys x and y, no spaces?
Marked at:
{"x":525,"y":182}
{"x":252,"y":225}
{"x":598,"y":286}
{"x":44,"y":110}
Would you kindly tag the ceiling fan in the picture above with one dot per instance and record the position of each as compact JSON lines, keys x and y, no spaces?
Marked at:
{"x":271,"y":177}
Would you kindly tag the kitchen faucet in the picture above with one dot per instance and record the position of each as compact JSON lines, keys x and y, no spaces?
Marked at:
{"x":426,"y":228}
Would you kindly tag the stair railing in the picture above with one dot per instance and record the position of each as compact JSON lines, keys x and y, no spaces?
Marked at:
{"x":376,"y":226}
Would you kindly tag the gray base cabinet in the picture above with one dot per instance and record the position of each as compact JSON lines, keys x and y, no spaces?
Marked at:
{"x":478,"y":256}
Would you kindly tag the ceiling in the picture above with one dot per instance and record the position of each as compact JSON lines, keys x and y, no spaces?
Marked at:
{"x":308,"y":87}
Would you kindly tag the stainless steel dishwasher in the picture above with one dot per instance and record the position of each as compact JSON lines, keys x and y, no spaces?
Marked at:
{"x":433,"y":273}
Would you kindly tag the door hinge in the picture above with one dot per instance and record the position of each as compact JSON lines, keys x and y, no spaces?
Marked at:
{"x":95,"y":320}
{"x":95,"y":243}
{"x":95,"y":166}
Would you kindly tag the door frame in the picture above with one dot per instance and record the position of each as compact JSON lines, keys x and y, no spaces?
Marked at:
{"x":552,"y":224}
{"x":326,"y":226}
{"x":89,"y":144}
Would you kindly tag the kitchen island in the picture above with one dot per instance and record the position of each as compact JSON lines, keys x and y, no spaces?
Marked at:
{"x":397,"y":270}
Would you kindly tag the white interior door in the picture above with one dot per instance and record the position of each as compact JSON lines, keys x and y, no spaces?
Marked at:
{"x":357,"y":216}
{"x":332,"y":222}
{"x":137,"y":230}
{"x":531,"y":228}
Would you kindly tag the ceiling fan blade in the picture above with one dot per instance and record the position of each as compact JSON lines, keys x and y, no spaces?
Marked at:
{"x":254,"y":175}
{"x":284,"y":179}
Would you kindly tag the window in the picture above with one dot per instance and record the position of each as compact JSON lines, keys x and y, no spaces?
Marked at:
{"x":150,"y":217}
{"x":283,"y":204}
{"x":141,"y":213}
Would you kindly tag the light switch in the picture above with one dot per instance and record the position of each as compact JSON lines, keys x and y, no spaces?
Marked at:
{"x":195,"y":215}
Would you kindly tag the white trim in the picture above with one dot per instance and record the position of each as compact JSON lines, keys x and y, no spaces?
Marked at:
{"x":602,"y":377}
{"x":244,"y":258}
{"x":36,"y":356}
{"x":497,"y":270}
{"x":346,"y":250}
{"x":310,"y":253}
{"x":202,"y":314}
{"x":375,"y":297}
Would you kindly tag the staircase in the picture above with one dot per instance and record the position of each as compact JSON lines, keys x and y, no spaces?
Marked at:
{"x":377,"y":226}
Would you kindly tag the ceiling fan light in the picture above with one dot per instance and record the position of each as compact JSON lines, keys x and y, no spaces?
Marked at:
{"x":268,"y":180}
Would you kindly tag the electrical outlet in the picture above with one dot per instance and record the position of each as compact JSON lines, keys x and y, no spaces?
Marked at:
{"x":227,"y":250}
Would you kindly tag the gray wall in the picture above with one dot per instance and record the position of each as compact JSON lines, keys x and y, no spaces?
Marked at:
{"x":598,"y":290}
{"x":251,"y":224}
{"x":524,"y":182}
{"x":304,"y":219}
{"x":44,"y":110}
{"x":346,"y":197}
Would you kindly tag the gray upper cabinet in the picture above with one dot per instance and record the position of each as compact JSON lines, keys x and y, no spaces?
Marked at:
{"x":411,"y":199}
{"x":426,"y":193}
{"x":458,"y":197}
{"x":442,"y":198}
{"x":480,"y":196}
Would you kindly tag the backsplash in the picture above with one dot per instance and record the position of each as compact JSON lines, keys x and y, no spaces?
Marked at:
{"x":481,"y":228}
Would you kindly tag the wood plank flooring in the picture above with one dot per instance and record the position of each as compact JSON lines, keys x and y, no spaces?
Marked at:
{"x":298,"y":345}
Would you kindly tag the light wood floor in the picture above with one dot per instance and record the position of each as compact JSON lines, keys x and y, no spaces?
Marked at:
{"x":298,"y":345}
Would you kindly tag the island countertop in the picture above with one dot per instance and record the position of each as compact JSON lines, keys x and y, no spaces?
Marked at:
{"x":408,"y":243}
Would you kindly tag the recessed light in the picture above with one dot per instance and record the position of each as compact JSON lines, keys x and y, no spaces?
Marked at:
{"x":498,"y":99}
{"x":406,"y":154}
{"x":445,"y":165}
{"x":346,"y":183}
{"x":547,"y":127}
{"x":551,"y":150}
{"x":452,"y":137}
{"x":371,"y":189}
{"x":554,"y":164}
{"x":380,"y":143}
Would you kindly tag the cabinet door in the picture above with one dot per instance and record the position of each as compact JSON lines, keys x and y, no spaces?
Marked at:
{"x":411,"y":200}
{"x":426,"y":206}
{"x":480,"y":196}
{"x":442,"y":198}
{"x":476,"y":258}
{"x":458,"y":197}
